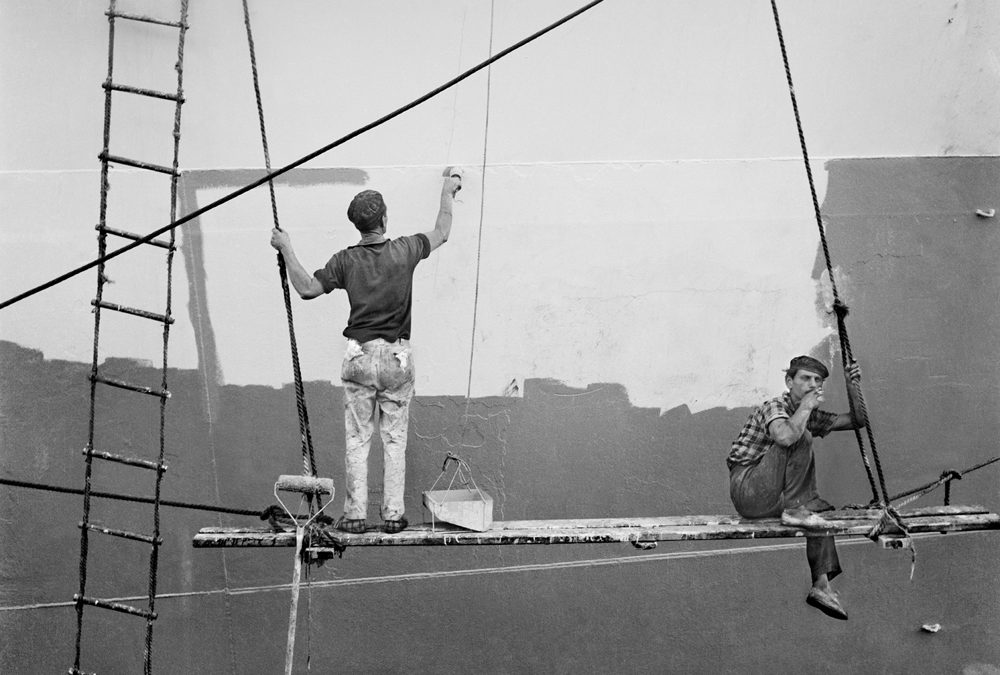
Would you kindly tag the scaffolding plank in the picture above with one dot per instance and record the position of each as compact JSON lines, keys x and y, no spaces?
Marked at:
{"x":616,"y":530}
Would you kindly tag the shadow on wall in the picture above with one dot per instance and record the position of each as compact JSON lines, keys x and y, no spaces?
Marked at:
{"x":194,"y":245}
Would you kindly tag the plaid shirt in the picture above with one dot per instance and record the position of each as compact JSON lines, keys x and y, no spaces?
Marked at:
{"x":754,"y":440}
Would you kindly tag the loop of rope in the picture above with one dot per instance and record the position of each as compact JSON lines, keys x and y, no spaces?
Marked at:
{"x":308,"y":455}
{"x":839,"y":307}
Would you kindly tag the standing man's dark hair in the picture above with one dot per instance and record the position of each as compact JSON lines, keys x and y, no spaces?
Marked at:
{"x":366,"y":210}
{"x":772,"y":472}
{"x":377,"y":370}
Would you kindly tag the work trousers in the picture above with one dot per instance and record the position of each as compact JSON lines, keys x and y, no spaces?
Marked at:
{"x":784,"y":478}
{"x":379,"y":373}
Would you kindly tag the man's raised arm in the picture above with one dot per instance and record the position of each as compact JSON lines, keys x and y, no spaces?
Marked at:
{"x":442,"y":227}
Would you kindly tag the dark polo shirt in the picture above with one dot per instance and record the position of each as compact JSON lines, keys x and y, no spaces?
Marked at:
{"x":378,"y":277}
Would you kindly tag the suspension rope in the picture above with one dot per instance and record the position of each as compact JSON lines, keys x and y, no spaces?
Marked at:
{"x":308,"y":456}
{"x":482,"y":209}
{"x":104,"y":257}
{"x":840,"y":309}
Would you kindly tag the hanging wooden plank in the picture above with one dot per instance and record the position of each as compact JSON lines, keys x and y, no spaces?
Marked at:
{"x":610,"y":530}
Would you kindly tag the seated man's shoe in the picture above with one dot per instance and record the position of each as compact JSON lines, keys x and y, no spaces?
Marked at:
{"x":818,"y":505}
{"x":352,"y":525}
{"x":803,"y":517}
{"x":827,"y":602}
{"x":395,"y":525}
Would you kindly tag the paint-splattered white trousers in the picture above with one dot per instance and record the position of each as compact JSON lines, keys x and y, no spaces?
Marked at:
{"x":376,"y":372}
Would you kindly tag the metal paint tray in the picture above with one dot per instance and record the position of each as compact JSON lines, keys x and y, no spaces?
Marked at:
{"x":467,"y":507}
{"x":471,"y":509}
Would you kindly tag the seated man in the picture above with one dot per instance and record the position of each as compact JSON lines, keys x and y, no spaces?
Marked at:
{"x":772,"y":472}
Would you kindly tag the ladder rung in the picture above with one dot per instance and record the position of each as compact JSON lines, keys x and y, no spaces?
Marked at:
{"x":116,"y":606}
{"x":152,"y":93}
{"x":131,"y":387}
{"x":145,"y":19}
{"x":103,"y":304}
{"x":115,"y":159}
{"x":153,"y":541}
{"x":131,"y":461}
{"x":136,"y":237}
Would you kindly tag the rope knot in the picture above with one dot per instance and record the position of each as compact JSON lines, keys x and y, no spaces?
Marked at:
{"x":840,"y":309}
{"x":889,"y":521}
{"x":950,"y":475}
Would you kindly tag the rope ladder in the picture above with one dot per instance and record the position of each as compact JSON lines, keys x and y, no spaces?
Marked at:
{"x":99,"y":381}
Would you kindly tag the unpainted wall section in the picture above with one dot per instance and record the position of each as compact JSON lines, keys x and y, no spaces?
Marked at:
{"x":643,"y":185}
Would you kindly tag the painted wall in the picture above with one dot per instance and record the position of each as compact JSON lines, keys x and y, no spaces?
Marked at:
{"x":636,"y":249}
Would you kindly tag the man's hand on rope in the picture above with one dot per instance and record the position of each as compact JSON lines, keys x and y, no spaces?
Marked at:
{"x":280,"y":239}
{"x":852,"y":372}
{"x":305,"y":284}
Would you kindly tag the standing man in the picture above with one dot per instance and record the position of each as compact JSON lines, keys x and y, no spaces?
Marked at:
{"x":377,"y":274}
{"x":772,"y":472}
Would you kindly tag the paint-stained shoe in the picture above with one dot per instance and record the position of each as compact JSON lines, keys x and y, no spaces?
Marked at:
{"x":395,"y":525}
{"x":352,"y":525}
{"x":803,"y":517}
{"x":827,"y":602}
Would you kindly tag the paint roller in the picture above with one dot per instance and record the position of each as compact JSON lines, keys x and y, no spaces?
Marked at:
{"x":308,"y":485}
